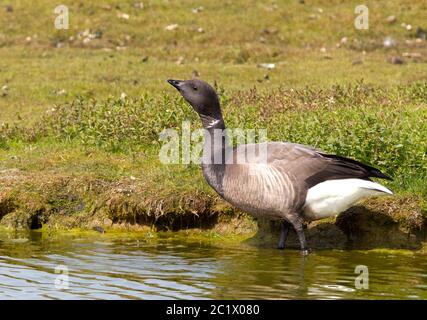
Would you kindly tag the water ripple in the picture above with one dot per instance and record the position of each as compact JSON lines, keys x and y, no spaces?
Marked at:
{"x":173,"y":269}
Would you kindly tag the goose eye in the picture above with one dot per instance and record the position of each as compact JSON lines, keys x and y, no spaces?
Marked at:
{"x":195,"y":88}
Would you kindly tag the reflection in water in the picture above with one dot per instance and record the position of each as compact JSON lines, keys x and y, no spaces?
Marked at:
{"x":106,"y":267}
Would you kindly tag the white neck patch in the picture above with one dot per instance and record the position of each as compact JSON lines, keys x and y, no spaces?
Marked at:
{"x":213,"y":123}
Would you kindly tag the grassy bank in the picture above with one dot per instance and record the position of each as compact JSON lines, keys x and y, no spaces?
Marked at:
{"x":95,"y":163}
{"x":75,"y":154}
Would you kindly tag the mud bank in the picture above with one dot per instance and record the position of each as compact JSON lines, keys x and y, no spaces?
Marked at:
{"x":396,"y":222}
{"x":57,"y":202}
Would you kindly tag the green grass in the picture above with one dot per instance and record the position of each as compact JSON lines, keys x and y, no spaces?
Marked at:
{"x":62,"y":116}
{"x":384,"y":127}
{"x":227,"y":52}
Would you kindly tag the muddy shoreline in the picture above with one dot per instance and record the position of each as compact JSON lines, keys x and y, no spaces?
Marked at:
{"x":58,"y":202}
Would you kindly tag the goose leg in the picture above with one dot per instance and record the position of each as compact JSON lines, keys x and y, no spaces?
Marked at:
{"x":297,"y":224}
{"x":283,"y":235}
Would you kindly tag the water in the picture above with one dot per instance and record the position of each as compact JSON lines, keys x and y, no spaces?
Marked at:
{"x":132,"y":267}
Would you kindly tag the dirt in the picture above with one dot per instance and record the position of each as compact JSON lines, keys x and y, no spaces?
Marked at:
{"x":60,"y":202}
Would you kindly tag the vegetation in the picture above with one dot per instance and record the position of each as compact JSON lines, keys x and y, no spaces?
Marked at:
{"x":81,"y":110}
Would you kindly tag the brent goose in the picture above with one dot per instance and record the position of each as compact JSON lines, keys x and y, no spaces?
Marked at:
{"x":292,"y":184}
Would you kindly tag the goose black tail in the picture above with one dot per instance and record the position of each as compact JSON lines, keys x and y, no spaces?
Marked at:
{"x":368,"y":170}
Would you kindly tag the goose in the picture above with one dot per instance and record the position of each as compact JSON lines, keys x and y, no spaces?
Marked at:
{"x":294,"y":183}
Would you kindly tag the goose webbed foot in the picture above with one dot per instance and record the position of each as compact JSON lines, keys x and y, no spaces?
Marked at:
{"x":305,"y":252}
{"x":297,"y":224}
{"x":283,"y":235}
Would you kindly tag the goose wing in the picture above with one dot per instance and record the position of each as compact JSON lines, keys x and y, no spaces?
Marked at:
{"x":312,"y":166}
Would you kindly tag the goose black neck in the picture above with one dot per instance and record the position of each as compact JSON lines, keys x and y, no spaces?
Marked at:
{"x":214,"y":151}
{"x":215,"y":139}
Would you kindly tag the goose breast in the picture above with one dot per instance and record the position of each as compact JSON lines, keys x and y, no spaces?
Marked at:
{"x":262,"y":190}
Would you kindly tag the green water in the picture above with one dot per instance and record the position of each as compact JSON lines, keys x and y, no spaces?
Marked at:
{"x":129,"y":267}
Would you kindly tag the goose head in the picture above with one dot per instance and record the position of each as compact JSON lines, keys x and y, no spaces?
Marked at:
{"x":202,"y":97}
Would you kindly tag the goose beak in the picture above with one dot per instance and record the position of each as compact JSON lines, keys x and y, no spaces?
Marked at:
{"x":175,"y":83}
